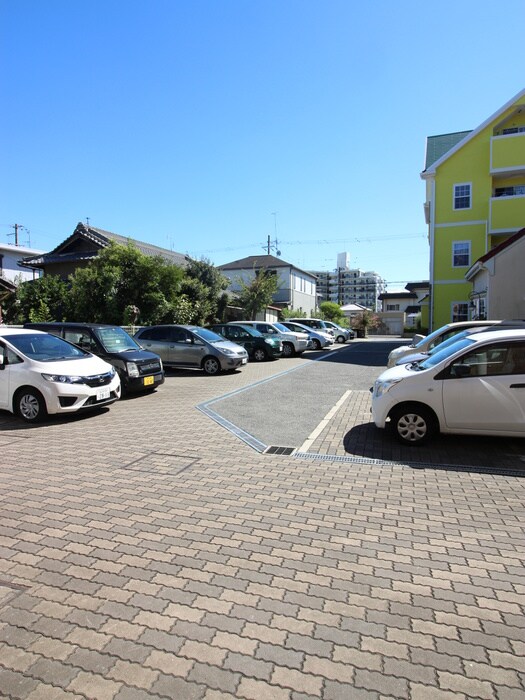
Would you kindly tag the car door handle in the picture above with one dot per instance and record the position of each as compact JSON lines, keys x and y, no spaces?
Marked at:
{"x":517,"y":386}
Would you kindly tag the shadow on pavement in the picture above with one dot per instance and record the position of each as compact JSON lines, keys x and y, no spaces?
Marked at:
{"x":497,"y":455}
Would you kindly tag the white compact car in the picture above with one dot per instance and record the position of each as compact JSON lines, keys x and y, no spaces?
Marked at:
{"x":422,"y":344}
{"x":41,"y":374}
{"x":475,"y":386}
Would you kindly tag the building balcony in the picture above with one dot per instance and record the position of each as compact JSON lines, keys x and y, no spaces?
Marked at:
{"x":507,"y":154}
{"x":507,"y":214}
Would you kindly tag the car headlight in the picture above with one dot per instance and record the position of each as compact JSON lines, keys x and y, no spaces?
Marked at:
{"x":133,"y":370}
{"x":381,"y":388}
{"x":227,"y":351}
{"x":63,"y":378}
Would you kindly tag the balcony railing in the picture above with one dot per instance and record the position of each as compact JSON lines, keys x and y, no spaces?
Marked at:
{"x":507,"y":214}
{"x":507,"y":154}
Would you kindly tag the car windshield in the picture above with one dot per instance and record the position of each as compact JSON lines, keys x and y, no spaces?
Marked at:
{"x":444,"y":353}
{"x":209,"y":336}
{"x":455,"y":338}
{"x":45,"y":347}
{"x":251,"y":331}
{"x":281,"y":328}
{"x":428,"y":339}
{"x":115,"y":339}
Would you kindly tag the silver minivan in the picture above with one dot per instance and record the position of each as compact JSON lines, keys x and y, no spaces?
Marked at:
{"x":192,"y":347}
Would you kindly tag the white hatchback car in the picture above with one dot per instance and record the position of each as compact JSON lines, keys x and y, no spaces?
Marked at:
{"x":475,"y":386}
{"x":41,"y":374}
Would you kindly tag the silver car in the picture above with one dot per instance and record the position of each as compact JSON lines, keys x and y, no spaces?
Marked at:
{"x":192,"y":347}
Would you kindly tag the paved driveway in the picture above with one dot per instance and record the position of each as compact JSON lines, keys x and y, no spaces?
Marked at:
{"x":147,"y":552}
{"x":323,"y":408}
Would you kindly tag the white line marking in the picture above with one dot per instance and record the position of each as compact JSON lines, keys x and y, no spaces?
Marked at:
{"x":322,"y":425}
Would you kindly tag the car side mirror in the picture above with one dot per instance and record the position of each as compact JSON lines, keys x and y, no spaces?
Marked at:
{"x":2,"y":361}
{"x":417,"y":338}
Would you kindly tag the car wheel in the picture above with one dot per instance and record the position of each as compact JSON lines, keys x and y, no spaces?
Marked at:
{"x":211,"y":365}
{"x":413,"y":424}
{"x":29,"y":404}
{"x":340,"y":339}
{"x":259,"y":355}
{"x":288,"y":350}
{"x":316,"y":343}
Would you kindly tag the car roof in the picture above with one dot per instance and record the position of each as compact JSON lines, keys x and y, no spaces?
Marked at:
{"x":8,"y":330}
{"x":71,"y":324}
{"x":503,"y":334}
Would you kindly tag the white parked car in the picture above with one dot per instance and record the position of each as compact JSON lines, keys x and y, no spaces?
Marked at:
{"x":319,"y":339}
{"x":341,"y":334}
{"x":41,"y":374}
{"x":474,"y":386}
{"x":422,"y":344}
{"x":293,"y":343}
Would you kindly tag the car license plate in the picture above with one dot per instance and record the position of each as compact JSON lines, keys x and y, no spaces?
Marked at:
{"x":102,"y":394}
{"x":244,"y":361}
{"x":148,"y":380}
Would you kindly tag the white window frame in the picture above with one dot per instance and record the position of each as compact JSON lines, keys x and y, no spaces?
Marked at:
{"x":455,"y":316}
{"x":462,"y":184}
{"x":469,"y":245}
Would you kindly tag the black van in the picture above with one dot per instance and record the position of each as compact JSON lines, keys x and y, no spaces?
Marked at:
{"x":139,"y":370}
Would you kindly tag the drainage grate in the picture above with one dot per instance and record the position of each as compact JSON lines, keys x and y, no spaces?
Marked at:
{"x":275,"y":450}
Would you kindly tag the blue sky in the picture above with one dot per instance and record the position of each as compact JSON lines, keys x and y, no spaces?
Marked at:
{"x":206,"y":126}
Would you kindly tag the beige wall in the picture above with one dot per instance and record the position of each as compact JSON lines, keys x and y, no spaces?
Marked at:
{"x":504,"y":280}
{"x":506,"y":293}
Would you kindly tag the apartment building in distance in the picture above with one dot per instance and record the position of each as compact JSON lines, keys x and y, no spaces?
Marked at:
{"x":349,"y":286}
{"x":475,"y":201}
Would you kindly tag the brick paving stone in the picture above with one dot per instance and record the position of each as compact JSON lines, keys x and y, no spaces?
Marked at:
{"x":253,"y":576}
{"x":177,"y":689}
{"x":54,"y":672}
{"x":470,"y":687}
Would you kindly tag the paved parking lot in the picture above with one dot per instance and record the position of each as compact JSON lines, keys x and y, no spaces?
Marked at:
{"x":149,"y":552}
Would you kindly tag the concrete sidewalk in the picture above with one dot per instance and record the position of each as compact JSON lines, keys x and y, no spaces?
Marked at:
{"x":146,"y":552}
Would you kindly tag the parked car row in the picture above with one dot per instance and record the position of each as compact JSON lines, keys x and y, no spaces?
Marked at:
{"x":466,"y":378}
{"x":63,"y":367}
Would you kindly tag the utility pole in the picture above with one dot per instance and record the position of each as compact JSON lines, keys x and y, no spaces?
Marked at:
{"x":15,"y":234}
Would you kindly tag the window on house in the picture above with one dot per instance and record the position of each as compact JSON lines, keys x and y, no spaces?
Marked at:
{"x":461,"y":254}
{"x":513,"y":130}
{"x":459,"y":311}
{"x":509,"y":191}
{"x":392,"y":307}
{"x":462,"y":195}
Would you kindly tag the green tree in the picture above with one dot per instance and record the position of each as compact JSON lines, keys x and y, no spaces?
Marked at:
{"x":258,"y":294}
{"x":204,"y":286}
{"x":43,"y":299}
{"x":292,"y":313}
{"x":331,"y":311}
{"x":121,"y":277}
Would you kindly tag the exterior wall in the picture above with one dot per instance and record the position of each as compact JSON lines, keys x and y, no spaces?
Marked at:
{"x":487,"y":161}
{"x":504,"y":282}
{"x":394,"y":321}
{"x":296,"y":289}
{"x":10,"y":270}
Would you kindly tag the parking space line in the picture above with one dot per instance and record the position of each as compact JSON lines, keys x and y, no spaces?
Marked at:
{"x":322,"y":425}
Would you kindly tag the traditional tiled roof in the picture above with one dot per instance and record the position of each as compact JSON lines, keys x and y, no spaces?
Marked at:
{"x":65,"y":251}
